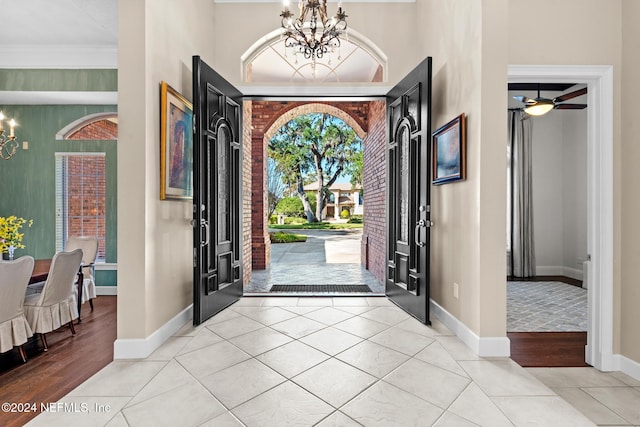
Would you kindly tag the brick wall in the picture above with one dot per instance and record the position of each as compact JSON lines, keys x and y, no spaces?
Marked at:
{"x":100,"y":130}
{"x":246,"y":192}
{"x":375,"y":187}
{"x":266,"y":118}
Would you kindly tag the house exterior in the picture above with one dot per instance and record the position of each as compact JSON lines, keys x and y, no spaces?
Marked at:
{"x":343,"y":196}
{"x":473,"y":42}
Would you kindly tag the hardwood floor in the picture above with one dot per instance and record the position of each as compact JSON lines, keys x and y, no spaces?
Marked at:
{"x":548,"y":349}
{"x":48,"y":376}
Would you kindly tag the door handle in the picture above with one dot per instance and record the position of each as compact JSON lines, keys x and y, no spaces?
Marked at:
{"x":419,"y":224}
{"x":205,"y":224}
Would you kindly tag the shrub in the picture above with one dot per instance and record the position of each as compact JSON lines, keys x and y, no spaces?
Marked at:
{"x":345,"y":214}
{"x":356,"y":219}
{"x":273,"y":219}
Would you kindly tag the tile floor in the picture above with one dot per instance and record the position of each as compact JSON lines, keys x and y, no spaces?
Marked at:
{"x":336,"y":362}
{"x":546,"y":307}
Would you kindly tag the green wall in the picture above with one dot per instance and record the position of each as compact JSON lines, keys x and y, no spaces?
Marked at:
{"x":59,"y":80}
{"x":27,"y":180}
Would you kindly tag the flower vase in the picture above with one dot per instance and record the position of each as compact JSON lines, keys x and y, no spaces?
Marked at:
{"x":11,"y":250}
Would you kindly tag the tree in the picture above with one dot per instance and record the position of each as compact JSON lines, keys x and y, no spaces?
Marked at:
{"x":355,"y":168}
{"x":314,"y":147}
{"x":275,"y":186}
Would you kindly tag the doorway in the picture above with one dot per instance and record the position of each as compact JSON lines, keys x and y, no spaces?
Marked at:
{"x":547,"y":226}
{"x":599,"y":263}
{"x":339,"y":260}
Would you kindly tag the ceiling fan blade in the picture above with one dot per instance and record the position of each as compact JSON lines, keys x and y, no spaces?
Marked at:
{"x":571,"y":106}
{"x":523,"y":99}
{"x":570,"y":95}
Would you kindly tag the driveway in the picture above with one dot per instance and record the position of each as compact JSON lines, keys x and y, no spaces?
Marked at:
{"x":329,"y":257}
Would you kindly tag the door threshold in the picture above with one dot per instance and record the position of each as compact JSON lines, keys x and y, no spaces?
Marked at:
{"x":313,"y":294}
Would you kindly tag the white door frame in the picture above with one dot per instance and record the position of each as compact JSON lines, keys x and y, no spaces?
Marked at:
{"x":599,"y":80}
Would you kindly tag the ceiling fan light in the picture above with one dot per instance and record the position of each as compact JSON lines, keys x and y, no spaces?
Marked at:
{"x":539,"y":108}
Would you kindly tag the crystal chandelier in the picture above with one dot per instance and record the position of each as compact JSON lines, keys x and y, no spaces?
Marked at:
{"x":8,"y":144}
{"x":318,"y":36}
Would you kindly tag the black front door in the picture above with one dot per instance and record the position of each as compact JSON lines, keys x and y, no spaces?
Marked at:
{"x":408,"y":200}
{"x":217,"y":192}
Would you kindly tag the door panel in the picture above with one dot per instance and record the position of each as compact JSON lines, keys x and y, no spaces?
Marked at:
{"x":217,"y":155}
{"x":408,"y":199}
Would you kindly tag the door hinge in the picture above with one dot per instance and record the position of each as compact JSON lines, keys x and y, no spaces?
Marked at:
{"x":194,"y":123}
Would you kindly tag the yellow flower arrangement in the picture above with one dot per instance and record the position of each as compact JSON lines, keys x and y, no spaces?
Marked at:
{"x":10,"y":236}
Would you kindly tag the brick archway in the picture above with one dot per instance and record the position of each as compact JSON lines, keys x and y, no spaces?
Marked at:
{"x":316,"y":107}
{"x":266,"y":118}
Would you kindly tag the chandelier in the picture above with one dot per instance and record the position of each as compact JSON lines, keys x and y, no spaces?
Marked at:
{"x":8,"y":144}
{"x":319,"y":35}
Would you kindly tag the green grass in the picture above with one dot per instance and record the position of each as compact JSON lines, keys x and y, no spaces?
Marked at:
{"x":315,"y":226}
{"x":281,"y":237}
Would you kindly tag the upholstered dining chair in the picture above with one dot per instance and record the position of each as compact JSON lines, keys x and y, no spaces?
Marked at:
{"x":89,"y":246}
{"x":56,"y":304}
{"x":14,"y":328}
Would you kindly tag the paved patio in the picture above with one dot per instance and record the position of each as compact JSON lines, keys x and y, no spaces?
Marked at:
{"x":329,"y":257}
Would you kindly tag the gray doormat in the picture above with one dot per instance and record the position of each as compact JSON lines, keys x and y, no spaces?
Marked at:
{"x":321,"y":288}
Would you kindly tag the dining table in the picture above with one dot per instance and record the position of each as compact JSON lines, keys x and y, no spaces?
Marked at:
{"x":41,"y":272}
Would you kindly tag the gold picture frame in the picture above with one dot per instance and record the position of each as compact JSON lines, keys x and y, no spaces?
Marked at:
{"x":176,"y":145}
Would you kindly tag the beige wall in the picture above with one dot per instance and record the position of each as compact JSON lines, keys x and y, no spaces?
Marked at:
{"x":467,"y":41}
{"x":155,"y":238}
{"x":611,"y":39}
{"x":630,"y":201}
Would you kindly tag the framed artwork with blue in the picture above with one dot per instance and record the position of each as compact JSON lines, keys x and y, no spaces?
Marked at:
{"x":449,"y":151}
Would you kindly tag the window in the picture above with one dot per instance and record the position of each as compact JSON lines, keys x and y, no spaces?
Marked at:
{"x":81,"y":198}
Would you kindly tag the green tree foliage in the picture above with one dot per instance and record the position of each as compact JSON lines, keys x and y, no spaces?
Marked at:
{"x":314,"y":147}
{"x":292,"y":206}
{"x":355,"y":168}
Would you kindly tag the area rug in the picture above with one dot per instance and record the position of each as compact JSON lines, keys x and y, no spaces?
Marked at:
{"x":546,"y":307}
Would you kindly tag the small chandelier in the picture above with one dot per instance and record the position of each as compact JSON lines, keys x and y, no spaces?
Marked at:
{"x":318,"y":36}
{"x":8,"y":144}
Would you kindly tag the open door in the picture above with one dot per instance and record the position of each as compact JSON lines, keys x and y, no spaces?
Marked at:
{"x":217,"y":192}
{"x":408,"y":198}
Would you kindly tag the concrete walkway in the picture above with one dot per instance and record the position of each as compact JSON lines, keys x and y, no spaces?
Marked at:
{"x":329,"y":257}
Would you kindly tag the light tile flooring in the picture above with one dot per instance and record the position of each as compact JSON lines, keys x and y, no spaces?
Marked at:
{"x":336,"y":362}
{"x":546,"y":307}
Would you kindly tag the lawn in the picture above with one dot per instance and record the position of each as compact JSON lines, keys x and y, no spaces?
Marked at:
{"x":315,"y":226}
{"x":281,"y":237}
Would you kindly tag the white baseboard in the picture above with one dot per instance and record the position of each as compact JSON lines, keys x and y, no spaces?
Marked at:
{"x":140,"y":348}
{"x":627,"y":366}
{"x":574,"y":273}
{"x":106,"y":290}
{"x":549,"y":270}
{"x":484,"y":347}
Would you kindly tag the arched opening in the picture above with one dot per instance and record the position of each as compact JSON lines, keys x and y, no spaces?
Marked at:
{"x":367,"y":119}
{"x":357,"y":60}
{"x":99,"y":126}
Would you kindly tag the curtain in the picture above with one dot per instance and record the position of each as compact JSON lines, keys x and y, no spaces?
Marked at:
{"x":522,"y":260}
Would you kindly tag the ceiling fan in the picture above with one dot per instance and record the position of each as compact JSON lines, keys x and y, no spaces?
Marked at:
{"x":540,"y":105}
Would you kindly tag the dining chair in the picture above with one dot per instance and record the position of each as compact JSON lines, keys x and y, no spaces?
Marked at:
{"x":56,"y":304}
{"x":89,"y":246}
{"x":14,"y":328}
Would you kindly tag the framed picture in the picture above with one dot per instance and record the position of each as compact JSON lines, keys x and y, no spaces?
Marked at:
{"x":449,"y":151}
{"x":176,"y":145}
